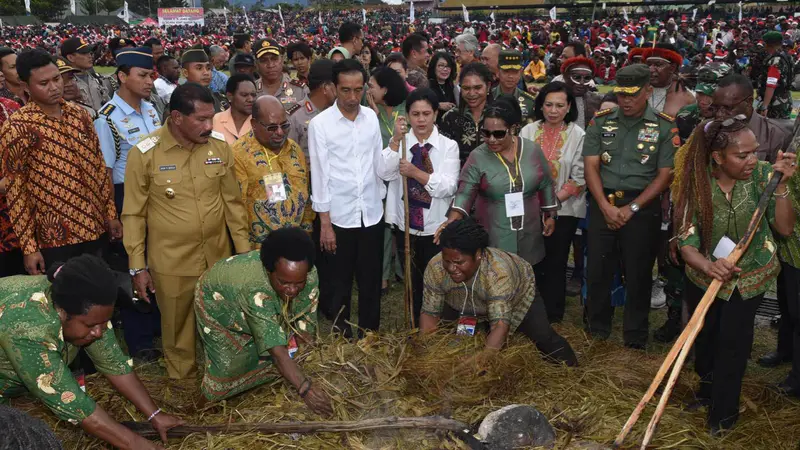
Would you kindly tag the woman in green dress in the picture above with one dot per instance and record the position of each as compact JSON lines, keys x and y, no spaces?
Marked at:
{"x":508,"y":183}
{"x":722,"y":183}
{"x":479,"y":285}
{"x":253,"y":311}
{"x":44,"y":321}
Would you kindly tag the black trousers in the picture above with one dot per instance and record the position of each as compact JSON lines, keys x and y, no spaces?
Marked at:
{"x":324,"y":267}
{"x":422,"y":251}
{"x":636,"y":245}
{"x":721,"y":352}
{"x":359,"y":252}
{"x":535,"y":326}
{"x":551,"y":273}
{"x":789,"y":286}
{"x":11,"y":263}
{"x":62,"y":254}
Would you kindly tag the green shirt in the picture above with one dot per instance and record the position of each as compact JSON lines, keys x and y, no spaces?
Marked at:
{"x":789,"y":247}
{"x":503,"y":290}
{"x":386,"y":121}
{"x":34,"y":356}
{"x":632,"y":149}
{"x":526,"y":102}
{"x":759,"y":264}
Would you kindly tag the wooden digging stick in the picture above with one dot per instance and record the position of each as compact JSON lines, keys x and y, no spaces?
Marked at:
{"x":145,"y":430}
{"x":408,"y":293}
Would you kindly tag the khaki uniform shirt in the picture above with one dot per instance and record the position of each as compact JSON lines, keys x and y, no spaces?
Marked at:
{"x":183,"y":205}
{"x":299,"y":119}
{"x":95,"y":89}
{"x":631,"y":149}
{"x":290,"y":92}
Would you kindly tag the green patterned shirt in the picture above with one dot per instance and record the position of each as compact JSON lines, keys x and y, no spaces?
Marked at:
{"x":789,"y":247}
{"x":34,"y":356}
{"x":503,"y":291}
{"x":759,"y":264}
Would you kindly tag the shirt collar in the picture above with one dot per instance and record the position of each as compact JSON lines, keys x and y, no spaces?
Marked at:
{"x":433,"y":139}
{"x":337,"y":113}
{"x":125,"y":107}
{"x":168,"y":141}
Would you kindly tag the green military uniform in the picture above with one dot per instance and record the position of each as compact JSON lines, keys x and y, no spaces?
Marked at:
{"x":510,"y":60}
{"x":777,"y":73}
{"x":183,"y":209}
{"x":194,"y":55}
{"x":707,"y":78}
{"x":34,"y":356}
{"x":240,"y":318}
{"x":290,"y":92}
{"x":632,"y":151}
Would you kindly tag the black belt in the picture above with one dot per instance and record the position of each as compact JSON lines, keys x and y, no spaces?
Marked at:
{"x":620,"y":197}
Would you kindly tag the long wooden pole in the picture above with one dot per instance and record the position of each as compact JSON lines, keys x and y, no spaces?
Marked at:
{"x":408,"y":292}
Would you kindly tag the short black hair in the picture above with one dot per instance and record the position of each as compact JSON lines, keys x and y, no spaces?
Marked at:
{"x":163,"y":60}
{"x":150,"y":43}
{"x":348,"y":31}
{"x":505,"y":108}
{"x":30,"y":60}
{"x":610,"y":97}
{"x":478,"y":69}
{"x":185,"y":95}
{"x":292,"y":244}
{"x":233,"y":82}
{"x":396,"y":91}
{"x":732,"y":79}
{"x":413,"y":42}
{"x":299,"y":46}
{"x":435,"y":60}
{"x":240,"y":40}
{"x":396,"y":57}
{"x":25,"y":431}
{"x":348,"y":66}
{"x":423,"y":95}
{"x":321,"y":72}
{"x":5,"y":51}
{"x":124,"y":68}
{"x":81,"y":283}
{"x":577,"y":47}
{"x":465,"y":235}
{"x":549,"y":88}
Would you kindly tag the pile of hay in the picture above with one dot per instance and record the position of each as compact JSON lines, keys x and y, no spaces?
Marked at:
{"x":396,"y":375}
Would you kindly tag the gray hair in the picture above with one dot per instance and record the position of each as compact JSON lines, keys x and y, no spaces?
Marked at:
{"x":469,"y":41}
{"x":215,"y":50}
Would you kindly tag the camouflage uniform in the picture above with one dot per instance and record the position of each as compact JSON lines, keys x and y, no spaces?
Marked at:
{"x":707,"y":78}
{"x":781,"y":105}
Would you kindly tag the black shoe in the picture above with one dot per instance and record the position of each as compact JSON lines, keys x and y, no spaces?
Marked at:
{"x":774,"y":359}
{"x":669,"y":331}
{"x":698,"y":404}
{"x":147,"y":356}
{"x":636,"y":345}
{"x":784,"y":388}
{"x":573,"y":287}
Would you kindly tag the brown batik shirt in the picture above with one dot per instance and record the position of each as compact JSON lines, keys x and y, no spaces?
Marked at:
{"x":58,"y":191}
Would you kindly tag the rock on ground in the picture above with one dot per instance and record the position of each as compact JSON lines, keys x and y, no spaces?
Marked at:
{"x":516,"y":426}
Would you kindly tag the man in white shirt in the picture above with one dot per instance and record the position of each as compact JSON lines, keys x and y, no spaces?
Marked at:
{"x":345,"y":145}
{"x":168,"y":75}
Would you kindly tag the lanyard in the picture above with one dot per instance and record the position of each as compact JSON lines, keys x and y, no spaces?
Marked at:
{"x":269,"y":159}
{"x":512,"y":180}
{"x":390,"y":129}
{"x":467,"y":294}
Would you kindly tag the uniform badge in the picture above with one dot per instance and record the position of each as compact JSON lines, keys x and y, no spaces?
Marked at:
{"x":218,"y":135}
{"x":210,"y":161}
{"x":605,"y":157}
{"x":645,"y":158}
{"x":653,"y":148}
{"x":134,"y":130}
{"x":289,"y":91}
{"x":610,"y":128}
{"x":147,"y":144}
{"x":309,"y":108}
{"x":170,"y":193}
{"x":648,"y":134}
{"x":640,"y":146}
{"x":609,"y":135}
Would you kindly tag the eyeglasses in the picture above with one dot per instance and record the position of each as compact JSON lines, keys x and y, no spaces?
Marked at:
{"x":497,"y":134}
{"x":580,"y":79}
{"x":274,"y":127}
{"x":727,"y":110}
{"x":443,"y":66}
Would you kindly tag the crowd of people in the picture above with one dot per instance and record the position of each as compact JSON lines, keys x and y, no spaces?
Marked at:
{"x":232,"y":191}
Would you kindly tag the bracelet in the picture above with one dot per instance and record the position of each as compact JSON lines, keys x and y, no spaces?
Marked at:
{"x":301,"y":392}
{"x":785,"y":193}
{"x":157,"y":412}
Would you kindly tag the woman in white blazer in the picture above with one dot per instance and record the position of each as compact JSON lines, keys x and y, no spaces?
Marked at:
{"x":561,"y":141}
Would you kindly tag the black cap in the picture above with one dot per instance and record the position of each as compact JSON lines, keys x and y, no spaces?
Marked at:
{"x":244,"y":59}
{"x":264,"y":46}
{"x":64,"y":66}
{"x":632,"y":78}
{"x":117,"y":43}
{"x":75,"y":45}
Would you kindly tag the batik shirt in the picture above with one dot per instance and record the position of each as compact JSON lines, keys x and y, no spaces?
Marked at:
{"x":502,"y":292}
{"x":252,"y":163}
{"x":789,"y":247}
{"x":58,"y":191}
{"x":8,"y":239}
{"x":759,"y":263}
{"x":34,"y":356}
{"x":460,"y":126}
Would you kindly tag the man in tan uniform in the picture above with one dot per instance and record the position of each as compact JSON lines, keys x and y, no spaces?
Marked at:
{"x":273,"y":81}
{"x":182,"y":209}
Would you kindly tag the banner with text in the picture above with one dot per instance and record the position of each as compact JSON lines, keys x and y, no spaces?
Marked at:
{"x":180,"y":16}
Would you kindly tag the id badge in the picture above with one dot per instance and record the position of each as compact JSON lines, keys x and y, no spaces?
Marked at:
{"x":80,"y":377}
{"x":466,"y":326}
{"x":514,"y":205}
{"x":292,"y":346}
{"x":724,"y":248}
{"x":276,"y":191}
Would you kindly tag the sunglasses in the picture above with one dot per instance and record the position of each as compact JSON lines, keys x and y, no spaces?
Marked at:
{"x":273,"y":128}
{"x":497,"y":134}
{"x":580,"y":79}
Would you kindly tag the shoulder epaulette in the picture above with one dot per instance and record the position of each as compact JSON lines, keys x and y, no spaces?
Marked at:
{"x":527,"y":94}
{"x":665,"y":116}
{"x":293,"y":109}
{"x":298,"y":83}
{"x":107,"y":110}
{"x":604,"y":112}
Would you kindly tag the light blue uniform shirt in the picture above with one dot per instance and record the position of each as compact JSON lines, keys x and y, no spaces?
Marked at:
{"x":130,"y":126}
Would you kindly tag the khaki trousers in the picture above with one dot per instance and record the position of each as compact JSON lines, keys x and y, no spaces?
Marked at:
{"x":175,"y":297}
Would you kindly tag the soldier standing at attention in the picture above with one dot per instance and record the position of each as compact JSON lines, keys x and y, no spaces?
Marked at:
{"x":321,"y":97}
{"x":184,"y":209}
{"x":269,"y":64}
{"x":123,"y":122}
{"x":196,"y":68}
{"x":510,"y":71}
{"x":774,"y":99}
{"x":628,"y":155}
{"x":95,"y":89}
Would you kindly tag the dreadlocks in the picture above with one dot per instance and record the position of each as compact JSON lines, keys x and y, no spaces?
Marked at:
{"x":465,"y":235}
{"x":692,"y":193}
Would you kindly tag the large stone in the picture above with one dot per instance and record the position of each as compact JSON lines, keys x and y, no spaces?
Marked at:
{"x":516,"y":426}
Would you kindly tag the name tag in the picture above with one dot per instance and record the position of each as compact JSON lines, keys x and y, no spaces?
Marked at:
{"x":133,"y":130}
{"x":165,"y":168}
{"x":609,"y":135}
{"x":292,"y":346}
{"x":515,"y":207}
{"x":724,"y":248}
{"x":466,"y":326}
{"x":275,"y":189}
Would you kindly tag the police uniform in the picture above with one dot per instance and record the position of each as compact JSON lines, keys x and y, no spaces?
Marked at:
{"x":299,"y":117}
{"x":95,"y":88}
{"x":65,"y":67}
{"x":290,"y":92}
{"x":512,"y":60}
{"x":183,"y":209}
{"x":631,"y":150}
{"x":119,"y":127}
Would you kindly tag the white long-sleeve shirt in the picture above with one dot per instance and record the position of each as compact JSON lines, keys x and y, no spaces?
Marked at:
{"x":344,"y":159}
{"x":441,"y":185}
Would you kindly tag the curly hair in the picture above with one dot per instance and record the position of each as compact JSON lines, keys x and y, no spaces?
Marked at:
{"x":692,"y":194}
{"x":465,"y":235}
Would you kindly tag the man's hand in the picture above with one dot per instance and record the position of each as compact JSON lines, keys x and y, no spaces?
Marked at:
{"x":548,"y":226}
{"x":327,"y":238}
{"x":408,"y":169}
{"x":318,"y":401}
{"x":613,"y":217}
{"x":721,"y":270}
{"x":626,"y":213}
{"x":164,"y":422}
{"x":142,"y":283}
{"x":446,"y":106}
{"x":115,"y":229}
{"x":34,"y":263}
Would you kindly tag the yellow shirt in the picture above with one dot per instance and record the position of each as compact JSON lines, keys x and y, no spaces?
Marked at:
{"x":535,"y":70}
{"x":223,"y":122}
{"x":252,"y":163}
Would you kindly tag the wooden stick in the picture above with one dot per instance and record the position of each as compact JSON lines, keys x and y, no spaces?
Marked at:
{"x":408,"y":293}
{"x":145,"y":430}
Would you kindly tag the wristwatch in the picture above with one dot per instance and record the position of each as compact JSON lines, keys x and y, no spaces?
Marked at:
{"x":135,"y":272}
{"x":634,"y":207}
